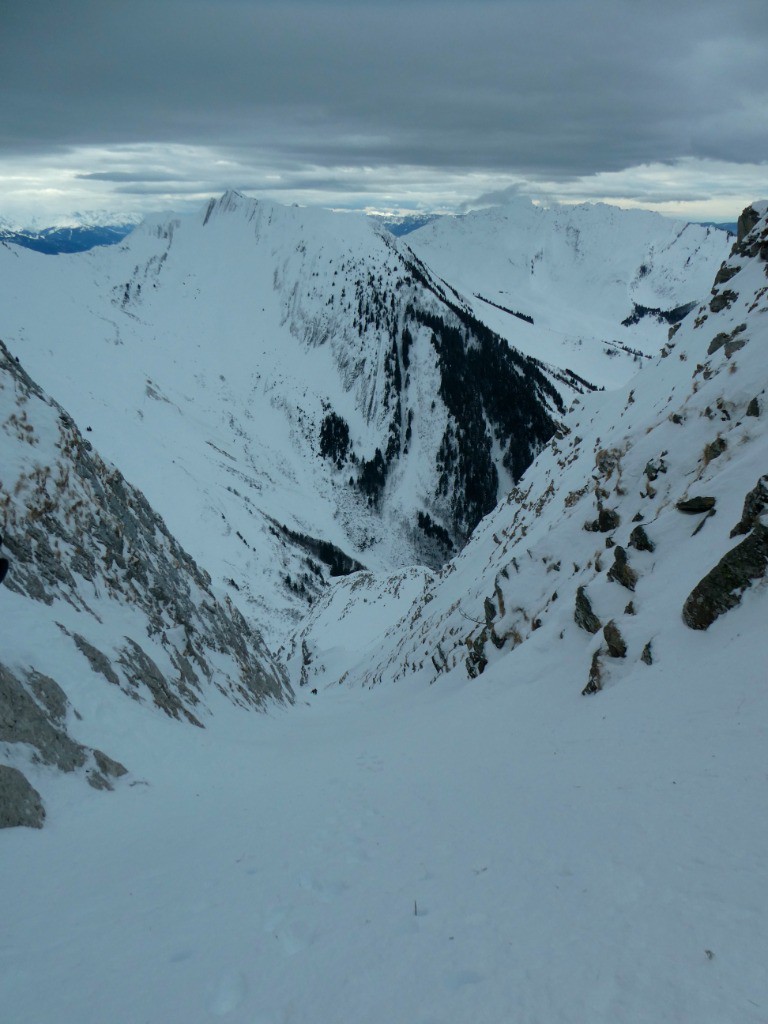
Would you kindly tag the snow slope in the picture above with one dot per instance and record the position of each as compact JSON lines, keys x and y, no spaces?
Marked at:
{"x":290,"y":389}
{"x":692,"y":425}
{"x":578,"y":272}
{"x":101,"y":607}
{"x":494,"y":847}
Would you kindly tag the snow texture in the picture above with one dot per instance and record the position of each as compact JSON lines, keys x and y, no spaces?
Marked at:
{"x":455,"y":833}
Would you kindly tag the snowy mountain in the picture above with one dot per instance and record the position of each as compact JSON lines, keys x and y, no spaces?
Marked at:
{"x":494,"y":847}
{"x":591,"y":287}
{"x":293,"y":390}
{"x":636,"y":529}
{"x":100,"y":597}
{"x":76,"y":233}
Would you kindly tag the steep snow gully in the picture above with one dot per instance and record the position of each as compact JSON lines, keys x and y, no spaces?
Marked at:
{"x":528,"y":785}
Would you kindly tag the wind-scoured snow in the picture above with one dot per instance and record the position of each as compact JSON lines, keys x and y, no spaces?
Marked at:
{"x":578,"y":272}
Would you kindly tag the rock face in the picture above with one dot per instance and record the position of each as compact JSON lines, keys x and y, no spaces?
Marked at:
{"x":723,"y":587}
{"x":617,"y":647}
{"x":694,"y":506}
{"x":20,"y":803}
{"x":583,"y":615}
{"x":640,"y":541}
{"x":621,"y":571}
{"x":755,"y":503}
{"x":86,"y":550}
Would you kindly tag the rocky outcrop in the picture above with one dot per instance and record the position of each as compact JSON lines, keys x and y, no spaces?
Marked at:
{"x":607,"y":519}
{"x":621,"y":571}
{"x":723,"y":587}
{"x":83,"y":539}
{"x":595,"y":680}
{"x":583,"y":615}
{"x":694,"y":506}
{"x":20,"y":803}
{"x":615,"y":642}
{"x":755,"y":503}
{"x":33,"y":712}
{"x":640,"y":541}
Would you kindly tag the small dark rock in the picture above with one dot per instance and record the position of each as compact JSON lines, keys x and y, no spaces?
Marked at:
{"x":629,"y":608}
{"x":595,"y":681}
{"x":607,"y":519}
{"x":647,"y":655}
{"x":20,"y":803}
{"x":640,"y":541}
{"x":621,"y":571}
{"x":714,"y":449}
{"x":693,"y":506}
{"x":583,"y":615}
{"x":753,"y":409}
{"x":617,"y":647}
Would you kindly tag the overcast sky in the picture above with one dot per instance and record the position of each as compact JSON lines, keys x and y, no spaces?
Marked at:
{"x":139,"y":105}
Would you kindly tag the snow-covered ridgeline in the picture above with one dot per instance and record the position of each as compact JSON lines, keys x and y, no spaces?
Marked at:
{"x":591,"y":287}
{"x":593,"y":553}
{"x":291,"y":388}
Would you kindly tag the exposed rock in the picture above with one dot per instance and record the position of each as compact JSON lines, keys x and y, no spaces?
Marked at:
{"x":724,"y":338}
{"x":725,"y":273}
{"x":141,"y":669}
{"x":731,"y":347}
{"x":595,"y":681}
{"x":755,"y":503}
{"x":608,"y":459}
{"x":640,"y":541}
{"x":714,"y":449}
{"x":23,"y":721}
{"x":647,"y":655}
{"x":617,"y":647}
{"x":583,"y":615}
{"x":722,"y":300}
{"x":20,"y":803}
{"x":99,"y":662}
{"x":693,"y":506}
{"x":607,"y":519}
{"x":747,"y":220}
{"x":108,"y":766}
{"x":753,"y":409}
{"x":653,"y":468}
{"x":48,"y":693}
{"x":476,"y":659}
{"x":621,"y":571}
{"x":722,"y":588}
{"x":629,"y":608}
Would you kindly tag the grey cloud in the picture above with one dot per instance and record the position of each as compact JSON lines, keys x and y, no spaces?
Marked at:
{"x":539,"y":88}
{"x":128,"y":176}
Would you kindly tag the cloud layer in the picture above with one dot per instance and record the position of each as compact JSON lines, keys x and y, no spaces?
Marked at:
{"x":322,"y":94}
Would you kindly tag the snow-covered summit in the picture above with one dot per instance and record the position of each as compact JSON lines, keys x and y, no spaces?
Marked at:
{"x":591,"y":287}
